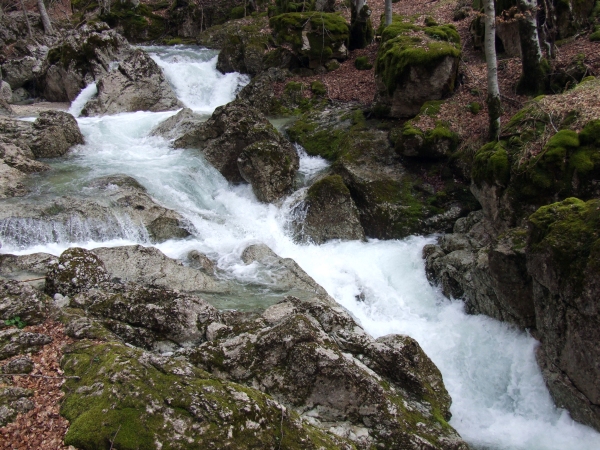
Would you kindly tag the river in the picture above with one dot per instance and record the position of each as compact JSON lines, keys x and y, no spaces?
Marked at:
{"x":500,"y":401}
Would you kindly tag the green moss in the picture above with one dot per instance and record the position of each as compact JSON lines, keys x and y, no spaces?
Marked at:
{"x":326,"y":33}
{"x":570,"y":231}
{"x":595,"y":36}
{"x":474,"y":107}
{"x":405,"y":45}
{"x":330,"y":185}
{"x":139,"y":23}
{"x":127,"y":400}
{"x":491,"y":165}
{"x":431,"y":108}
{"x":362,"y":63}
{"x":318,"y":88}
{"x":590,"y":135}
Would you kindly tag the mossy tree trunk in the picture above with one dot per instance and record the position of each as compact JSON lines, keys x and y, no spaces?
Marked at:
{"x":533,"y":77}
{"x":361,"y":28}
{"x":26,"y":20}
{"x":45,"y":18}
{"x":388,"y":12}
{"x":493,"y":90}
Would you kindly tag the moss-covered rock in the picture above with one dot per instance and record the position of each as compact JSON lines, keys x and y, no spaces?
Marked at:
{"x":564,"y":260}
{"x":415,"y":64}
{"x":393,"y":202}
{"x":312,"y":356}
{"x":21,"y":300}
{"x":328,"y":212}
{"x":315,"y":37}
{"x":75,"y":271}
{"x":131,"y":399}
{"x":567,"y":165}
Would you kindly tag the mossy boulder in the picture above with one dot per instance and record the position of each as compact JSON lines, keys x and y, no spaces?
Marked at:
{"x":415,"y":64}
{"x":328,"y":212}
{"x":270,"y":168}
{"x":136,"y":21}
{"x":429,"y":144}
{"x":76,"y":270}
{"x":567,"y":165}
{"x":312,"y":356}
{"x":23,"y":301}
{"x":245,"y":48}
{"x":315,"y":37}
{"x":228,"y":132}
{"x":564,"y":259}
{"x":132,"y":399}
{"x":392,"y":200}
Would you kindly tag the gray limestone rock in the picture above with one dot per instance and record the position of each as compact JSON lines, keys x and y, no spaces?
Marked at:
{"x":23,"y":301}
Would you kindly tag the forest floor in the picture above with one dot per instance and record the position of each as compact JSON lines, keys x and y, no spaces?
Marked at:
{"x":348,"y":84}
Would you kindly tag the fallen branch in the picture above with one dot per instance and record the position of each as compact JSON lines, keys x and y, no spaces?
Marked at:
{"x":38,"y":376}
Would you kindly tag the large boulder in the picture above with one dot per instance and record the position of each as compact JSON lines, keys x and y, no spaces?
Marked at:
{"x":564,"y":261}
{"x":316,"y":39}
{"x":313,"y":357}
{"x":232,"y":130}
{"x":76,"y":270}
{"x":81,"y":57}
{"x":149,"y":317}
{"x":394,"y":200}
{"x":121,"y":208}
{"x":23,"y":301}
{"x":328,"y":212}
{"x":178,"y":125}
{"x":415,"y":64}
{"x":168,"y":403}
{"x":55,"y":133}
{"x":148,"y":266}
{"x":136,"y":84}
{"x":259,"y":92}
{"x":270,"y":168}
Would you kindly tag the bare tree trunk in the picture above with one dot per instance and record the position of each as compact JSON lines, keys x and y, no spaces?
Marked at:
{"x":44,"y":16}
{"x":26,"y":19}
{"x":533,"y":78}
{"x":388,"y":12}
{"x":493,"y":90}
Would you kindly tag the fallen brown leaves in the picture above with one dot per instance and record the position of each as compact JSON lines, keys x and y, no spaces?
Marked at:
{"x":42,"y":428}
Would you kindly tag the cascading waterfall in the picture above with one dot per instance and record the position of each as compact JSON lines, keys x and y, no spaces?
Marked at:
{"x":499,"y":398}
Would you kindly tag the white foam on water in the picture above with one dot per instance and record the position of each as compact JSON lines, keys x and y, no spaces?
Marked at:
{"x":86,"y":94}
{"x":500,"y":401}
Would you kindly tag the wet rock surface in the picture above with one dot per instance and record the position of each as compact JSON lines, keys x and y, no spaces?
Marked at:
{"x":116,"y":206}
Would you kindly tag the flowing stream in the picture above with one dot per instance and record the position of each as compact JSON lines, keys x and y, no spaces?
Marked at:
{"x":499,"y":398}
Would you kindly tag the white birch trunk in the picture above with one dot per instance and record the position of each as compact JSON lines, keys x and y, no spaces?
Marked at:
{"x":44,"y":16}
{"x":493,"y":89}
{"x":388,"y":12}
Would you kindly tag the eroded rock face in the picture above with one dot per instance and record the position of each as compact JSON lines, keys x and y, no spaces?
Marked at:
{"x":14,"y":400}
{"x":182,"y":123}
{"x":137,"y":84}
{"x":150,"y":267}
{"x":147,"y":317}
{"x":14,"y":342}
{"x":328,"y":212}
{"x":167,"y":401}
{"x":55,"y":133}
{"x":230,"y":131}
{"x":311,"y":355}
{"x":121,"y":208}
{"x":270,"y":168}
{"x":82,"y":56}
{"x":23,"y":301}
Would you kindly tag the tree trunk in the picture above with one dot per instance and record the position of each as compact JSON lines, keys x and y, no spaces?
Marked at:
{"x":44,"y":16}
{"x":26,"y":20}
{"x":493,"y":90}
{"x":388,"y":12}
{"x":361,"y":28}
{"x":533,"y":78}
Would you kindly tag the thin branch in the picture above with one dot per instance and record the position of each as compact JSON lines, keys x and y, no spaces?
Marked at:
{"x":38,"y":376}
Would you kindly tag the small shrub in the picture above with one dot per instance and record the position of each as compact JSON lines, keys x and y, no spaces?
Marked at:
{"x":318,"y":88}
{"x":362,"y":63}
{"x":16,"y":321}
{"x":474,"y":107}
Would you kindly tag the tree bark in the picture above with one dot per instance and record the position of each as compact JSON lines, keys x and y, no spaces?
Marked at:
{"x":44,"y":16}
{"x":26,"y":20}
{"x":388,"y":12}
{"x":533,"y":77}
{"x":493,"y":90}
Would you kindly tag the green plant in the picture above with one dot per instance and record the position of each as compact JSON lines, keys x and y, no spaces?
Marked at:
{"x":16,"y":321}
{"x":362,"y":63}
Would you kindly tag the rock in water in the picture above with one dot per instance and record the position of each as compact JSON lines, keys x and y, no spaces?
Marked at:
{"x":270,"y":167}
{"x":56,"y":132}
{"x":137,"y":84}
{"x":241,"y":143}
{"x":328,"y":212}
